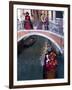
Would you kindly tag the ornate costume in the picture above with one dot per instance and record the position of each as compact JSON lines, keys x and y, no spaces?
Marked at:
{"x":50,"y":64}
{"x":28,"y":24}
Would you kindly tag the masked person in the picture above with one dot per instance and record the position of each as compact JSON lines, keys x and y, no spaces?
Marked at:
{"x":50,"y":64}
{"x":28,"y":24}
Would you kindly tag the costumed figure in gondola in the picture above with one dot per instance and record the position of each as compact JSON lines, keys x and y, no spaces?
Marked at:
{"x":50,"y":64}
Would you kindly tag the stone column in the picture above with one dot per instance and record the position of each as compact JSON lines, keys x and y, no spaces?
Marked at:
{"x":54,"y":16}
{"x":50,"y":15}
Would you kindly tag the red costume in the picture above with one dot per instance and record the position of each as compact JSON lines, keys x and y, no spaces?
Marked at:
{"x":51,"y":63}
{"x":28,"y":24}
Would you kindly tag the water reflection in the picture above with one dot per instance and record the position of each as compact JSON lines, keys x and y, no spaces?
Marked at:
{"x":31,"y":59}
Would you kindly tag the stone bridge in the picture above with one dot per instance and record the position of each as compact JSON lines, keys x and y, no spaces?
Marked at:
{"x":55,"y":38}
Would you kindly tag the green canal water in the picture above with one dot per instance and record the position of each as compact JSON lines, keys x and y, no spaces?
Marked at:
{"x":30,"y":61}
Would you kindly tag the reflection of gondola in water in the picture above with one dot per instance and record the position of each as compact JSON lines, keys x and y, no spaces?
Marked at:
{"x":29,"y":42}
{"x":25,"y":44}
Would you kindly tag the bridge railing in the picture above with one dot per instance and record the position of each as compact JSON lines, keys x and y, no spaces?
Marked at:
{"x":54,"y":26}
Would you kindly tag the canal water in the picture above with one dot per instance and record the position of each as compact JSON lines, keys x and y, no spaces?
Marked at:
{"x":30,"y":61}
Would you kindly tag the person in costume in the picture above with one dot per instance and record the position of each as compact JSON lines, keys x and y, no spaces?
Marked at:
{"x":28,"y":24}
{"x":50,"y":65}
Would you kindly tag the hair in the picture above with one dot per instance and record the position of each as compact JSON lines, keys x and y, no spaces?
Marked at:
{"x":27,"y":13}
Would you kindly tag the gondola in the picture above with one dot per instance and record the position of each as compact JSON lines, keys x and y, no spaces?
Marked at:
{"x":23,"y":44}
